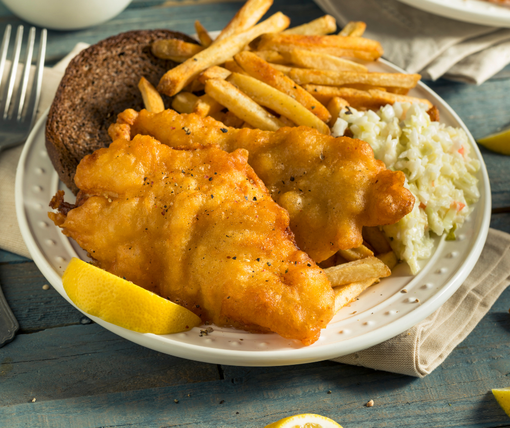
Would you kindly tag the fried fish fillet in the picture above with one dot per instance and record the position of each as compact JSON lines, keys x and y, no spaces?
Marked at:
{"x":331,"y":187}
{"x":200,"y":228}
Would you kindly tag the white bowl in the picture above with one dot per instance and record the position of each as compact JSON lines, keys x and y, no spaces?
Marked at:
{"x":66,"y":14}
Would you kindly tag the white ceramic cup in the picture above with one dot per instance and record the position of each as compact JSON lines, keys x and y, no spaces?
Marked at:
{"x":66,"y":14}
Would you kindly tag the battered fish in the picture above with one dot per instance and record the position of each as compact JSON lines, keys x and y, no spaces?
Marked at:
{"x":199,"y":228}
{"x":331,"y":187}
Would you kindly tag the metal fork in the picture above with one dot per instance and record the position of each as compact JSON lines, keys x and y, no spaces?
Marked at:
{"x":17,"y":113}
{"x":18,"y":108}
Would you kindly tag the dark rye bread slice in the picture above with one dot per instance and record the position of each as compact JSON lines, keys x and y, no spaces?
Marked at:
{"x":99,"y":83}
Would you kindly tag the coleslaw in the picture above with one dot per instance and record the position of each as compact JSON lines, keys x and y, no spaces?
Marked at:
{"x":439,"y":170}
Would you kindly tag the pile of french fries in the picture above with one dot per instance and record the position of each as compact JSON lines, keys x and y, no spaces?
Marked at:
{"x":266,"y":76}
{"x":352,"y":271}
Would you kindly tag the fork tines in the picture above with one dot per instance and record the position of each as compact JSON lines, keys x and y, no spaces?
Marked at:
{"x":21,"y":105}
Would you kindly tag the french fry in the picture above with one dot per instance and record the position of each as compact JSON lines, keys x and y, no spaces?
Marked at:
{"x":285,"y":69}
{"x":376,"y":239}
{"x":213,"y":72}
{"x":363,"y":87}
{"x":272,"y":56}
{"x":151,"y":98}
{"x":245,"y":18}
{"x":277,"y":101}
{"x":346,"y":294}
{"x":261,"y":70}
{"x":353,"y":29}
{"x":206,"y":105}
{"x":203,"y":35}
{"x":358,"y":253}
{"x":219,"y":116}
{"x":359,"y":270}
{"x":194,"y":86}
{"x":234,"y":67}
{"x":241,"y":105}
{"x":335,"y":106}
{"x":389,"y":259}
{"x":318,"y":27}
{"x":323,"y":61}
{"x":433,"y":113}
{"x":384,"y":98}
{"x":174,"y":48}
{"x":366,"y":244}
{"x":184,"y":102}
{"x":329,"y":262}
{"x":342,"y":78}
{"x":339,"y":259}
{"x":372,"y":99}
{"x":232,"y":121}
{"x":354,"y":47}
{"x":287,"y":122}
{"x":177,"y":78}
{"x":178,"y":59}
{"x":325,"y":93}
{"x":398,"y":91}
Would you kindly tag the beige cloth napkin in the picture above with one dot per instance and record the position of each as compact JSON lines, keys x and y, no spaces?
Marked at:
{"x":419,"y":350}
{"x":10,"y":238}
{"x":416,"y":352}
{"x":420,"y":42}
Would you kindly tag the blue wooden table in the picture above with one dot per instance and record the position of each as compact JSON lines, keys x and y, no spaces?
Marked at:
{"x":64,"y":371}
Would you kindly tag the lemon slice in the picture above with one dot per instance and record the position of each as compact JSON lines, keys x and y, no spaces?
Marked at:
{"x":306,"y":420}
{"x":499,"y":143}
{"x":503,"y":397}
{"x":123,"y":303}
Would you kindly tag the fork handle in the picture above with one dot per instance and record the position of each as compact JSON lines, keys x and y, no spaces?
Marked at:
{"x":8,"y":322}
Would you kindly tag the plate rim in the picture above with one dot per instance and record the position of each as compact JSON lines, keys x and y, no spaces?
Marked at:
{"x":480,"y":14}
{"x":286,"y":356}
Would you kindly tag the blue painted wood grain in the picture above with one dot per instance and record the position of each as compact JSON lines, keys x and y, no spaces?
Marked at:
{"x":34,"y":307}
{"x":86,"y":360}
{"x":456,"y":394}
{"x":8,"y":257}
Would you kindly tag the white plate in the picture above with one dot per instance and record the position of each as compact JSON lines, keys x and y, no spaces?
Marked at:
{"x":382,"y":311}
{"x":474,"y":11}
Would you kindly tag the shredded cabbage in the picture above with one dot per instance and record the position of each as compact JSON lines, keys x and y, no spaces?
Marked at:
{"x":436,"y":161}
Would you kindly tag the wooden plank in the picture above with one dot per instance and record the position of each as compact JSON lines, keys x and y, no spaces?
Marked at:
{"x":456,"y":394}
{"x":34,"y":307}
{"x":8,"y":257}
{"x":501,"y":222}
{"x":86,"y":360}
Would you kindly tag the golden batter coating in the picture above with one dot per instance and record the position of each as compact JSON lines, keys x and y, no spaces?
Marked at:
{"x":199,"y":228}
{"x":331,"y":187}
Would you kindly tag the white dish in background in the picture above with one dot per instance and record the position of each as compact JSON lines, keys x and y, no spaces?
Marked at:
{"x":66,"y":14}
{"x":381,"y":313}
{"x":473,"y":11}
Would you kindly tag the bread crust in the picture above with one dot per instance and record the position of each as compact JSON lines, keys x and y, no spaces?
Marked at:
{"x":99,"y":83}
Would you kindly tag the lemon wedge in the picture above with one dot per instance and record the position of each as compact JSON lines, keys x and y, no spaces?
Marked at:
{"x":306,"y":420}
{"x":123,"y":303}
{"x":503,"y":397}
{"x":499,"y":143}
